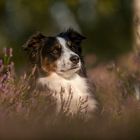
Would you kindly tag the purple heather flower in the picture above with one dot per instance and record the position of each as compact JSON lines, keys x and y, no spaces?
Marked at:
{"x":1,"y":62}
{"x":11,"y":67}
{"x":1,"y":65}
{"x":5,"y":77}
{"x":10,"y":52}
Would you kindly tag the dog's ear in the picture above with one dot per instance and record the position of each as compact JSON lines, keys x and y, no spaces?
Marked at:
{"x":73,"y":35}
{"x":34,"y":42}
{"x":33,"y":46}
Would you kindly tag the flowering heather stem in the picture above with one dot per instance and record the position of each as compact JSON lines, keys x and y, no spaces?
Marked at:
{"x":1,"y":62}
{"x":8,"y":53}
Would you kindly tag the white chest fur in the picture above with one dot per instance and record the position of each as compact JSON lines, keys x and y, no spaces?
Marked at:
{"x":72,"y":93}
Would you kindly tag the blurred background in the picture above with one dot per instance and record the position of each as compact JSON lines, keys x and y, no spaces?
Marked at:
{"x":112,"y":54}
{"x":107,"y":24}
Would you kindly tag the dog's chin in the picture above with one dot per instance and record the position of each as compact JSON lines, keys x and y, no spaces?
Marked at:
{"x":69,"y":73}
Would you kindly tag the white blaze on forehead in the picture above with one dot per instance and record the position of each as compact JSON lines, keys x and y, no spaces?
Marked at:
{"x":64,"y":63}
{"x":65,"y":49}
{"x":66,"y":52}
{"x":62,"y":41}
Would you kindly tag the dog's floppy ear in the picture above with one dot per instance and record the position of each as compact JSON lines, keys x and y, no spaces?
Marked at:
{"x":75,"y":36}
{"x":34,"y":42}
{"x":33,"y":46}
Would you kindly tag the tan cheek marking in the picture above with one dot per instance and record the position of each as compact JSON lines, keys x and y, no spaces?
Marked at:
{"x":48,"y":67}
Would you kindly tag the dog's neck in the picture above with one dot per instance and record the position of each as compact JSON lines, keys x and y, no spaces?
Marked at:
{"x":55,"y":83}
{"x":77,"y":86}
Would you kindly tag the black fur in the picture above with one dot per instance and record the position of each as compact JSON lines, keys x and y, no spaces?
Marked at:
{"x":73,"y":36}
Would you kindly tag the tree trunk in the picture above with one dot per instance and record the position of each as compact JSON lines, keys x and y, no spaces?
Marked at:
{"x":136,"y":28}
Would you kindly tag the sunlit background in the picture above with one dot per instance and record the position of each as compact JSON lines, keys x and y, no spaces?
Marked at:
{"x":106,"y":24}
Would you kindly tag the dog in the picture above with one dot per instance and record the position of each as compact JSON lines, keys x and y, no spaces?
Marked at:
{"x":61,"y":69}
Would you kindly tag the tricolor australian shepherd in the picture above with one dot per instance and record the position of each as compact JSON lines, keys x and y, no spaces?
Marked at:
{"x":60,"y":60}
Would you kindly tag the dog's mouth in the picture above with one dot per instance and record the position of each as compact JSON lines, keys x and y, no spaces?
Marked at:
{"x":72,"y":68}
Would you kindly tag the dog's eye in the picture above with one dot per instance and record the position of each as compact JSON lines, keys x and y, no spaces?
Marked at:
{"x":55,"y":51}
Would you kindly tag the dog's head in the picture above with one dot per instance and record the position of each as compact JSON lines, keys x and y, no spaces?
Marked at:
{"x":60,"y":54}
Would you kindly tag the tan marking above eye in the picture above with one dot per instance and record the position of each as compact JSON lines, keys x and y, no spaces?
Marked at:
{"x":59,"y":46}
{"x":69,"y":43}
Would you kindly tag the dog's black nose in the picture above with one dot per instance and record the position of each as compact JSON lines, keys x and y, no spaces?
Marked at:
{"x":74,"y":59}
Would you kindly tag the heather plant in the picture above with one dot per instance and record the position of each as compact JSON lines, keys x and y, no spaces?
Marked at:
{"x":6,"y":68}
{"x":19,"y":99}
{"x":30,"y":112}
{"x":16,"y":97}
